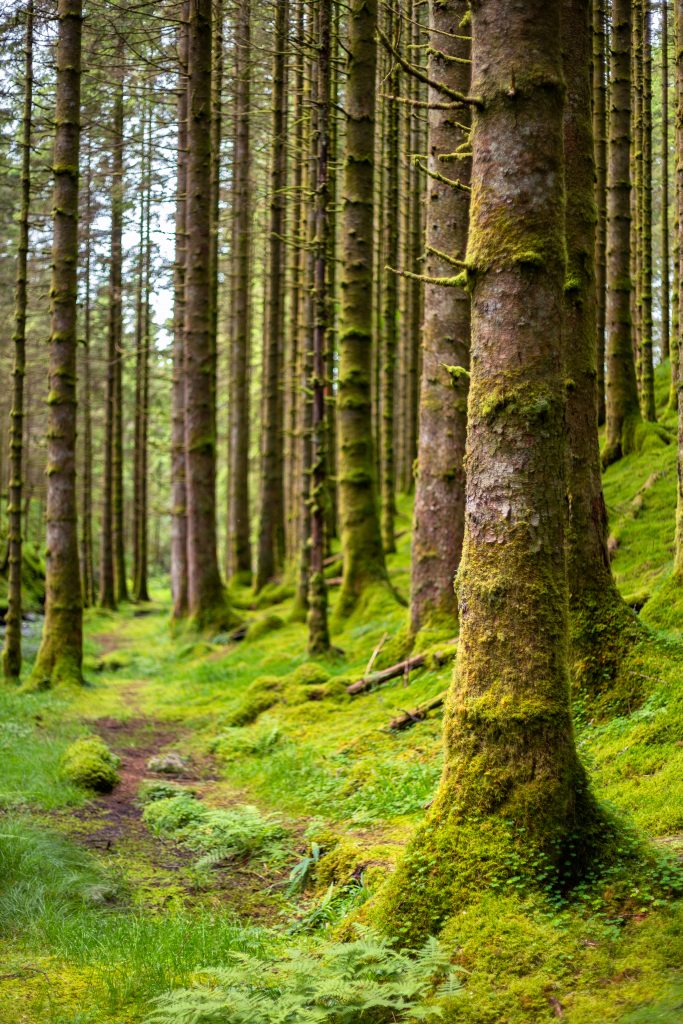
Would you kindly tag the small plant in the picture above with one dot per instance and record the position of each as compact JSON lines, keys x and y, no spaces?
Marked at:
{"x":340,"y":983}
{"x":157,"y":789}
{"x":217,"y":834}
{"x":89,"y":762}
{"x":301,"y":872}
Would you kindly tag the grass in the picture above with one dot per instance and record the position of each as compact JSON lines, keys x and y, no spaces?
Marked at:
{"x":348,"y":794}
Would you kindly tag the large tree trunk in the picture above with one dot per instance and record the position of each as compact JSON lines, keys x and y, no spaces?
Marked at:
{"x":623,"y":409}
{"x":61,"y":651}
{"x":178,"y":467}
{"x":439,"y":517}
{"x":271,"y":498}
{"x":512,"y":782}
{"x":11,"y":660}
{"x":647,"y":377}
{"x":361,"y":536}
{"x":600,"y":142}
{"x":239,"y":542}
{"x":600,"y":621}
{"x":207,"y":600}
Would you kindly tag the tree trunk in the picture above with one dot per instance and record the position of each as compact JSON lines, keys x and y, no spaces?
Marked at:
{"x":666,"y":275}
{"x":600,"y":621}
{"x":600,"y":142}
{"x":318,"y":632}
{"x":271,"y":499}
{"x":623,"y":409}
{"x":61,"y":651}
{"x":647,"y":377}
{"x":116,"y":332}
{"x":439,"y":516}
{"x":87,"y":562}
{"x":389,"y":317}
{"x":178,"y":466}
{"x":140,"y":574}
{"x":207,"y":600}
{"x":678,"y":552}
{"x":239,"y":541}
{"x":362,"y":549}
{"x":11,"y":660}
{"x":512,"y":782}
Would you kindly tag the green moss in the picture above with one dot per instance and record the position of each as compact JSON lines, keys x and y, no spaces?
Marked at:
{"x":262,"y":627}
{"x":309,"y":674}
{"x":89,"y":763}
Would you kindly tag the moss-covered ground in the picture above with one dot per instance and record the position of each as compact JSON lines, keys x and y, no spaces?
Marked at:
{"x":288,"y":802}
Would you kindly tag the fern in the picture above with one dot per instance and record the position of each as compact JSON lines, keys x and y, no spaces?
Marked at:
{"x":340,"y":983}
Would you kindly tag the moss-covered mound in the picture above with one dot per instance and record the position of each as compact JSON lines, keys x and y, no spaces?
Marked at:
{"x":90,"y":763}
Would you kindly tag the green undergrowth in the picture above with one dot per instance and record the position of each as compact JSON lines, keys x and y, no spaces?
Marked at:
{"x":284,"y":738}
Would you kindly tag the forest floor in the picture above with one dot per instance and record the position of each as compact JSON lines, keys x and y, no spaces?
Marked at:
{"x":297,"y":799}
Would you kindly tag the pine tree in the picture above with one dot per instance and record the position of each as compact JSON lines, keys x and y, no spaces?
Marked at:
{"x":11,"y":660}
{"x":600,"y":141}
{"x":61,"y":651}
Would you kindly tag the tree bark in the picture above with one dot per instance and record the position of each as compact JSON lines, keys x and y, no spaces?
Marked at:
{"x":87,"y":561}
{"x":647,"y":376}
{"x":140,"y":573}
{"x":439,"y":515}
{"x":511,"y":774}
{"x":318,"y":631}
{"x":600,"y":142}
{"x":271,"y":498}
{"x":207,"y":601}
{"x":11,"y":660}
{"x":116,"y":331}
{"x":666,"y":258}
{"x":600,"y":621}
{"x":178,"y":465}
{"x":60,"y":656}
{"x":361,"y":536}
{"x":623,"y":409}
{"x":678,"y":551}
{"x":239,"y":541}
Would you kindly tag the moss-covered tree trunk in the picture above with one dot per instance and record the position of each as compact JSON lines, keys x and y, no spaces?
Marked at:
{"x":60,"y":656}
{"x":600,"y":142}
{"x":318,"y":632}
{"x":207,"y":600}
{"x":512,"y":795}
{"x":439,"y":516}
{"x":623,"y":409}
{"x":143,"y":340}
{"x":675,"y":339}
{"x":389,"y":314}
{"x":600,"y":622}
{"x":87,"y":566}
{"x":664,"y":219}
{"x":178,"y":468}
{"x":678,"y":9}
{"x":271,"y":496}
{"x":239,"y":542}
{"x":647,"y":377}
{"x":11,"y":659}
{"x":360,"y":528}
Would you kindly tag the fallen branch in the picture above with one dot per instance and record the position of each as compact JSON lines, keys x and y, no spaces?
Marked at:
{"x":402,"y":668}
{"x":408,"y":718}
{"x":335,"y":581}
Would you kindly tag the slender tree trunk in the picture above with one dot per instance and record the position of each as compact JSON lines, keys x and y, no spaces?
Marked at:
{"x":362,"y":549}
{"x":439,"y":516}
{"x":178,"y":466}
{"x":61,"y":651}
{"x":318,"y":632}
{"x":389,"y":317}
{"x":675,"y":340}
{"x":87,"y":563}
{"x":666,"y":274}
{"x":271,"y":499}
{"x":140,"y":576}
{"x":623,"y":409}
{"x":600,"y":621}
{"x":600,"y":142}
{"x":207,"y":600}
{"x":11,"y":660}
{"x":678,"y":9}
{"x":512,"y":772}
{"x":637,"y":183}
{"x":333,"y":177}
{"x":239,"y":542}
{"x":116,"y":329}
{"x":646,"y":358}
